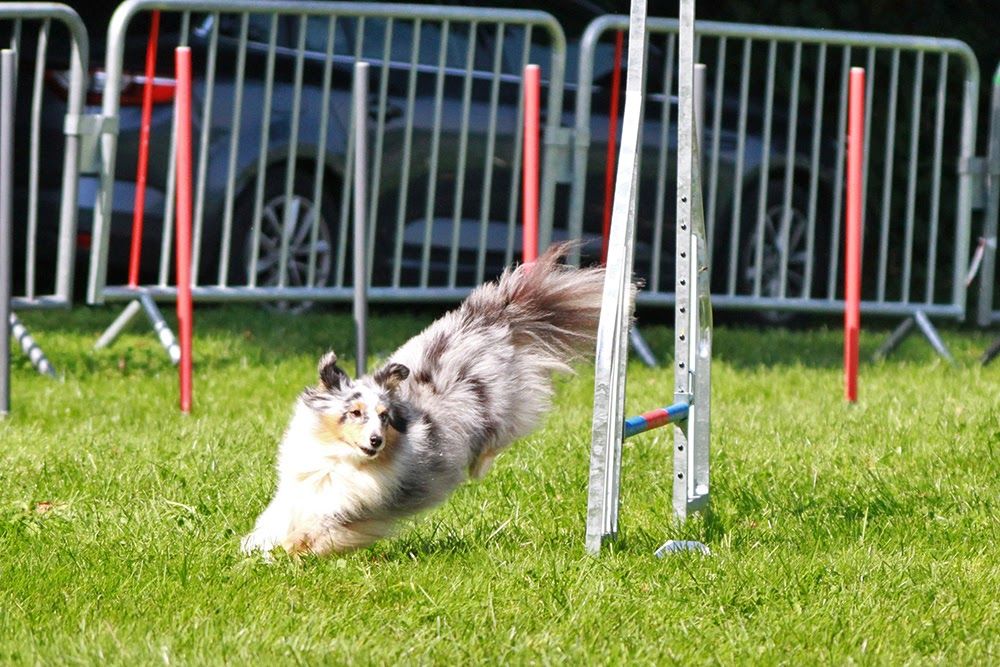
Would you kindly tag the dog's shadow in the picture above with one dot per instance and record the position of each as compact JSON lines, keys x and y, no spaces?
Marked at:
{"x":414,"y":543}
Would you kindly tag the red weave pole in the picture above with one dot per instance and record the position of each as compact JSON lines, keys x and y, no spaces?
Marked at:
{"x":852,"y":252}
{"x":609,"y":164}
{"x":185,"y":322}
{"x":532,"y":124}
{"x":142,"y":166}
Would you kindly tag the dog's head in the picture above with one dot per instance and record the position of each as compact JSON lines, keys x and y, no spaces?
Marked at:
{"x":361,"y":418}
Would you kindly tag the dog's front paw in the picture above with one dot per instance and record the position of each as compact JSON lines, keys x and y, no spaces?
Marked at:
{"x":258,"y":542}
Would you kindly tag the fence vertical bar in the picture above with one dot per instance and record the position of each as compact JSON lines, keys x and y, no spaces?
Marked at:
{"x":290,"y":218}
{"x":182,"y":57}
{"x":6,"y":201}
{"x":935,"y":210}
{"x":532,"y":95}
{"x":661,"y":168}
{"x":235,"y":124}
{"x":852,"y":253}
{"x":142,"y":166}
{"x":491,"y":142}
{"x":432,"y":170}
{"x":720,"y":76}
{"x":988,"y":269}
{"x":741,"y":141}
{"x":166,"y":247}
{"x":36,"y":112}
{"x":890,"y":144}
{"x":963,"y":214}
{"x":360,"y":98}
{"x":458,"y":202}
{"x":817,"y":129}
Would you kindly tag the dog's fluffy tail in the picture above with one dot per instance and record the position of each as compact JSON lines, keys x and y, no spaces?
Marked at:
{"x":550,"y":309}
{"x":482,"y":375}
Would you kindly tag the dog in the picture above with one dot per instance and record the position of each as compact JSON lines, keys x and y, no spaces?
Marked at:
{"x":360,"y":455}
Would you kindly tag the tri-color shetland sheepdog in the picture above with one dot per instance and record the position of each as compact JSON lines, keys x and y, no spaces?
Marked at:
{"x":361,"y":454}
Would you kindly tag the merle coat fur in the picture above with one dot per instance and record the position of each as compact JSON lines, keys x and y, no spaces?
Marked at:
{"x":361,"y":454}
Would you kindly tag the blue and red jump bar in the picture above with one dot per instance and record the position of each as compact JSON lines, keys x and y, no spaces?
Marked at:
{"x":656,"y":418}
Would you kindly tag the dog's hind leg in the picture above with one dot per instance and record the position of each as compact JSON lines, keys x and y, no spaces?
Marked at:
{"x":482,"y":464}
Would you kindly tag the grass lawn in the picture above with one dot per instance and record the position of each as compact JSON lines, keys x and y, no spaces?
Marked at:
{"x":839,"y":534}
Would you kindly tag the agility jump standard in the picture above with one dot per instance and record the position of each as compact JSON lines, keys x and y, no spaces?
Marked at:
{"x":690,"y":410}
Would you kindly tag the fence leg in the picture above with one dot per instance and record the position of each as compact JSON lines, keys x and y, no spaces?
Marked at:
{"x":30,"y":348}
{"x":6,"y":213}
{"x":113,"y":331}
{"x":932,"y":336}
{"x":163,"y":333}
{"x":642,"y":348}
{"x":894,"y":340}
{"x":991,"y":353}
{"x":930,"y":333}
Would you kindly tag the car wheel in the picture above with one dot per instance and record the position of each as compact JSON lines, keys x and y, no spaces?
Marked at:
{"x":768,"y":270}
{"x":302,"y":214}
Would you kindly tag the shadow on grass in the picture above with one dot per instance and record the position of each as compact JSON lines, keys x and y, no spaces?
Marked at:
{"x":268,"y":336}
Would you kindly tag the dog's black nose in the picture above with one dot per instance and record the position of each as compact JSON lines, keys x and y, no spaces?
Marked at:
{"x":376,"y":440}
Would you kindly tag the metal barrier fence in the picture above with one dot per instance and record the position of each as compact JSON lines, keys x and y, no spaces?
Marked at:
{"x":773,"y":161}
{"x":274,"y":147}
{"x":988,"y":309}
{"x":51,"y":49}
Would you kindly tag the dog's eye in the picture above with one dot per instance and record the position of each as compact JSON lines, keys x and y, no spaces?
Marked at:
{"x":356,"y":413}
{"x":383,"y":417}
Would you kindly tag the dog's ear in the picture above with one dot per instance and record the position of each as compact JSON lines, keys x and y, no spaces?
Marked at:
{"x":390,"y":375}
{"x":399,"y":416}
{"x":331,"y":376}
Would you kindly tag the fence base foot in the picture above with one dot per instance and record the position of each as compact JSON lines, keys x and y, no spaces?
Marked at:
{"x":681,"y":546}
{"x":930,"y":333}
{"x":30,"y":348}
{"x":145,"y":303}
{"x":641,"y":347}
{"x":991,"y":352}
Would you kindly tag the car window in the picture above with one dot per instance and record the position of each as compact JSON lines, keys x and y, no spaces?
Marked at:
{"x":374,"y":33}
{"x":258,"y":27}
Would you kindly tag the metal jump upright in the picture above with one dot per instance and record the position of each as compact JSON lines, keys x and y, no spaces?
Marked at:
{"x":690,"y":410}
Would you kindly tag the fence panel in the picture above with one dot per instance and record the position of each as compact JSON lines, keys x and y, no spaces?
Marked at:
{"x":773,"y":162}
{"x":50,"y":44}
{"x":273,"y":134}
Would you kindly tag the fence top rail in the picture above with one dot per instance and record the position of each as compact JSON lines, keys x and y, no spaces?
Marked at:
{"x":122,"y":17}
{"x":51,"y":10}
{"x":370,"y":10}
{"x":793,"y":34}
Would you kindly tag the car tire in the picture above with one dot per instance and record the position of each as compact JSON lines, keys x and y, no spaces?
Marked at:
{"x":275,"y":205}
{"x":771,"y":250}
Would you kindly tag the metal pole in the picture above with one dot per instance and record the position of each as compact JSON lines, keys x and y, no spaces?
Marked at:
{"x":532,"y":115}
{"x":986,"y":284}
{"x":142,"y":168}
{"x":609,"y":161}
{"x":30,"y":348}
{"x":700,"y":76}
{"x":185,"y":325}
{"x":360,"y":210}
{"x":6,"y":186}
{"x":684,"y":305}
{"x":852,"y":252}
{"x":612,"y":333}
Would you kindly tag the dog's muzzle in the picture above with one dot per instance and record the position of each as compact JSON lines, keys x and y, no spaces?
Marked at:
{"x":374,"y":445}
